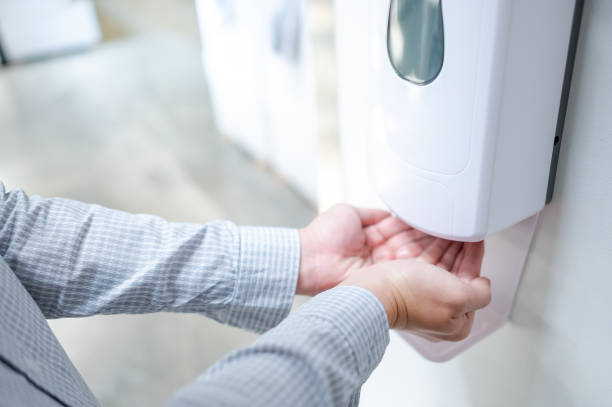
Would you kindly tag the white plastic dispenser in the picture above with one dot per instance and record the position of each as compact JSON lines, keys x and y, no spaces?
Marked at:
{"x":455,"y":111}
{"x":468,"y":104}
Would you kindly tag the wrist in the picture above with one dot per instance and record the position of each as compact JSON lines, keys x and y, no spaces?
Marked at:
{"x":375,"y":284}
{"x":304,"y":283}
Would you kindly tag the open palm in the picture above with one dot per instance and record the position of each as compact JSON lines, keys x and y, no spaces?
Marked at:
{"x":345,"y":238}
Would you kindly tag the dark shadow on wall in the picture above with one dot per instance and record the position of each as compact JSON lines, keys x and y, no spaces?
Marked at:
{"x":3,"y":60}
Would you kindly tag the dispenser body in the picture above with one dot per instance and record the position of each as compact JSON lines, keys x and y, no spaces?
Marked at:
{"x":466,"y":105}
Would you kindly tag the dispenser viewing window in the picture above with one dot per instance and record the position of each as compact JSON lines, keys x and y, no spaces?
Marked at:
{"x":415,"y":39}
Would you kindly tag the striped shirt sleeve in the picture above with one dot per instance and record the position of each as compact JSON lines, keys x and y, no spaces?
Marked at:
{"x":77,"y":259}
{"x":319,"y":356}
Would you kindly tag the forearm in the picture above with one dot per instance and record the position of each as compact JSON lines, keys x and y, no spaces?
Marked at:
{"x":77,"y":259}
{"x":318,"y":356}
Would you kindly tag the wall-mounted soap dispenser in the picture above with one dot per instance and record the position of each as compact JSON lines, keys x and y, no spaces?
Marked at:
{"x":467,"y":102}
{"x":469,"y":107}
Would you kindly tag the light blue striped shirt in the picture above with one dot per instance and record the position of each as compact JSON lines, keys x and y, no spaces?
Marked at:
{"x":76,"y":259}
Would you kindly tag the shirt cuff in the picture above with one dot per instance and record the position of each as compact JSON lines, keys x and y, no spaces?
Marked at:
{"x":359,"y":317}
{"x":267,"y":275}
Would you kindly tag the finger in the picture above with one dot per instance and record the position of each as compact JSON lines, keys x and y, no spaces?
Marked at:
{"x":391,"y":226}
{"x":409,"y":250}
{"x":370,"y":216}
{"x":382,"y":253}
{"x":414,"y":249}
{"x":479,"y":294}
{"x":467,"y":321}
{"x":449,"y":256}
{"x":455,"y":325}
{"x":404,"y":239}
{"x":382,"y":231}
{"x":446,"y":327}
{"x":472,"y":261}
{"x":434,"y":252}
{"x":458,"y":260}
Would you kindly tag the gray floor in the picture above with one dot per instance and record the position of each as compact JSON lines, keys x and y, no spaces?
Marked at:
{"x":129,"y":125}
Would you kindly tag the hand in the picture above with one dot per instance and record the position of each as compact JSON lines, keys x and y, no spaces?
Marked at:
{"x":426,"y":299}
{"x":345,"y":239}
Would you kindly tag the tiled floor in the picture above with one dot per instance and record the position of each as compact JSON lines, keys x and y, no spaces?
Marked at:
{"x":128,"y":125}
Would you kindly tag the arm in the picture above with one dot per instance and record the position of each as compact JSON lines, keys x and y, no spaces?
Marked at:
{"x":77,"y":259}
{"x":319,"y":356}
{"x":324,"y":352}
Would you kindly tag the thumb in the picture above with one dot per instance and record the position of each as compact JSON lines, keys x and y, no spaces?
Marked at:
{"x":371,"y":216}
{"x":479,"y":293}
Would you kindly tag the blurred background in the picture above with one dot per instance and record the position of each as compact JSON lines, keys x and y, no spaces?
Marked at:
{"x":109,"y":102}
{"x":196,"y":110}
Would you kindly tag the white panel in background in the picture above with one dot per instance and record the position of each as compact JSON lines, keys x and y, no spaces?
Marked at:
{"x":258,"y":61}
{"x":233,"y":69}
{"x":353,"y":54}
{"x":33,"y":29}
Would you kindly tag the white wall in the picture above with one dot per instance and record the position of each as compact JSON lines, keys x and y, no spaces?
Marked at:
{"x":557,"y":348}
